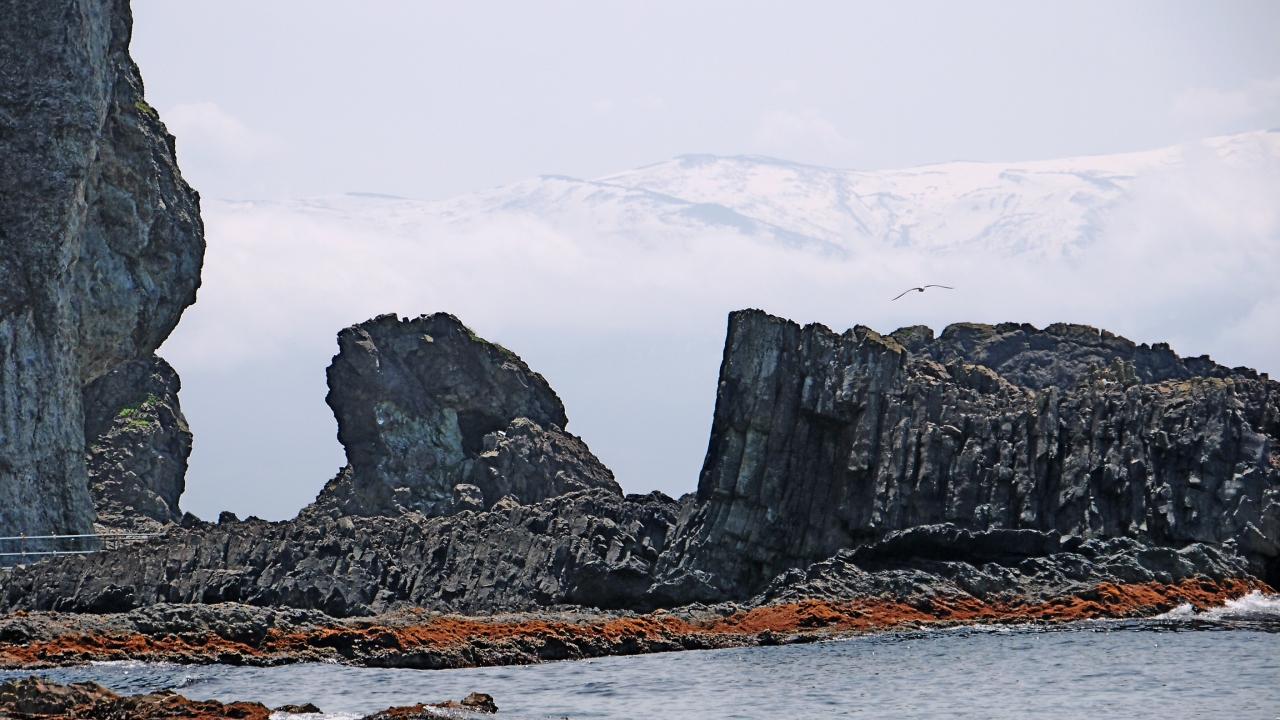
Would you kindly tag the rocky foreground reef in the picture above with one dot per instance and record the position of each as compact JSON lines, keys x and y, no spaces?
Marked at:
{"x":34,"y":698}
{"x":1002,"y":467}
{"x":101,"y":245}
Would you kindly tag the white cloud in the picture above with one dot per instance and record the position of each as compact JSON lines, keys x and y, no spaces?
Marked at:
{"x":601,"y":106}
{"x":780,"y":130}
{"x":1215,"y":110}
{"x":207,"y":127}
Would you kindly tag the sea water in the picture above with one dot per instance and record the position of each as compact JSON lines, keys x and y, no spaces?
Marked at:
{"x":1220,"y":664}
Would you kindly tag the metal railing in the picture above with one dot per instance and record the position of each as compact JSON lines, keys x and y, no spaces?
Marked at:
{"x":46,"y":545}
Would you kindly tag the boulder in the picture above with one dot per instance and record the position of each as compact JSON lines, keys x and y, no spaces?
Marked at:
{"x":424,"y":405}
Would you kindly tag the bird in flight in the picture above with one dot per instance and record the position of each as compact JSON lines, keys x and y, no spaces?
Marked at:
{"x":921,"y":289}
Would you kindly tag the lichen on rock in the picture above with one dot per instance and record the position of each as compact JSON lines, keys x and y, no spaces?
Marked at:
{"x":137,"y":443}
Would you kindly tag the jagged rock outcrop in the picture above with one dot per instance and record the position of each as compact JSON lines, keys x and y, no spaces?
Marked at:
{"x":840,"y":467}
{"x":101,"y":243}
{"x":1062,"y":355}
{"x":531,"y":463}
{"x":137,"y":443}
{"x":425,"y":406}
{"x":1000,"y":566}
{"x":591,"y":548}
{"x":822,"y":442}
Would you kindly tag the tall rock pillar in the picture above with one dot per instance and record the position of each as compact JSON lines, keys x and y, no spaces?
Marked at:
{"x":101,"y":243}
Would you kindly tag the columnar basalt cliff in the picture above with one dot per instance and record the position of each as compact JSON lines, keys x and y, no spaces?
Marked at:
{"x":822,"y":442}
{"x":101,"y":243}
{"x":137,"y":442}
{"x":436,"y":420}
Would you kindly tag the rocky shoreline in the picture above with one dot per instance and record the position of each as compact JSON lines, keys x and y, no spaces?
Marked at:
{"x":36,"y":698}
{"x":235,"y":634}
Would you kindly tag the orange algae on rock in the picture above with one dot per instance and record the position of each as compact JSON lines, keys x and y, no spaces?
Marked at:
{"x":472,"y":641}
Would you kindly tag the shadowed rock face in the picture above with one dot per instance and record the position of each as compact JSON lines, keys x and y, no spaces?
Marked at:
{"x":100,"y":243}
{"x":137,"y":443}
{"x":823,"y":441}
{"x":425,"y":406}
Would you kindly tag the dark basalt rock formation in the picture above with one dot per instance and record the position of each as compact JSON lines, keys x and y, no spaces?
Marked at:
{"x":34,"y":697}
{"x":424,"y":406}
{"x":100,"y":243}
{"x":137,"y":443}
{"x":37,"y":698}
{"x":840,"y":467}
{"x":995,"y":566}
{"x":1061,"y":355}
{"x":590,"y":548}
{"x":822,"y":442}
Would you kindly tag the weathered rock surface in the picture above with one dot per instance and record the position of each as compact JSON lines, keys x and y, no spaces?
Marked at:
{"x":822,"y":442}
{"x":424,"y":405}
{"x":137,"y":443}
{"x":999,"y":566}
{"x":34,"y":697}
{"x":590,"y":548}
{"x":100,"y":243}
{"x":1061,"y":355}
{"x":892,"y":598}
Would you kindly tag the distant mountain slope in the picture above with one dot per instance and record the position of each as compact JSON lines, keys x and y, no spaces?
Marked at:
{"x":1041,"y":207}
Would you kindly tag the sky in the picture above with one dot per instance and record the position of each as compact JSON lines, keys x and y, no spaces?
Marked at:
{"x":279,"y":102}
{"x":434,"y":100}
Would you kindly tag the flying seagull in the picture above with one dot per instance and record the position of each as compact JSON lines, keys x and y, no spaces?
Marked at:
{"x":921,"y":289}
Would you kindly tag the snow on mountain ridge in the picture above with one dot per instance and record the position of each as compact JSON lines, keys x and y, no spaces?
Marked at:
{"x":1040,"y":208}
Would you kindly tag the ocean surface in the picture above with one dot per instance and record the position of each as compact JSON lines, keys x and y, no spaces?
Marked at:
{"x":1224,"y":663}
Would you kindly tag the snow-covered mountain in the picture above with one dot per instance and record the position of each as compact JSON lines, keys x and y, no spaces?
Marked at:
{"x":1043,"y":207}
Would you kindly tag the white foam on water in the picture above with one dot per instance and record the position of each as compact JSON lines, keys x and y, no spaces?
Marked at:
{"x":316,"y":715}
{"x":1256,"y":605}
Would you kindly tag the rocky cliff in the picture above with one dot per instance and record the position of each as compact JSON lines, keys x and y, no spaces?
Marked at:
{"x":823,"y":441}
{"x":137,"y":444}
{"x":100,"y":243}
{"x":435,"y":420}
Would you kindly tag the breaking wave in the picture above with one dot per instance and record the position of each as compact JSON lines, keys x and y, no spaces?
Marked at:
{"x":1253,"y":607}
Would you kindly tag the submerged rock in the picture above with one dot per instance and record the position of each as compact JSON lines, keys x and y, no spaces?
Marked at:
{"x":822,"y":442}
{"x":100,"y":248}
{"x":137,"y":443}
{"x":425,"y":405}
